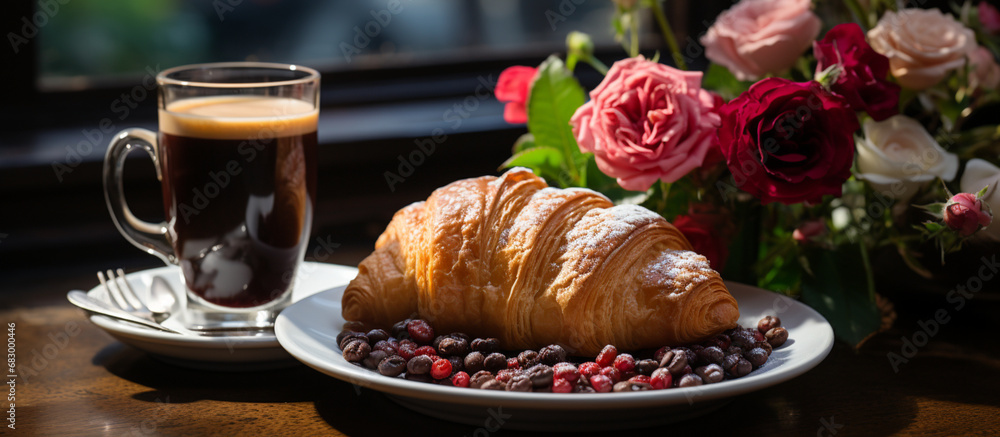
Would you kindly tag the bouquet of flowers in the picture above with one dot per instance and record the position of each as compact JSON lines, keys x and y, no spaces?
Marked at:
{"x":792,"y":158}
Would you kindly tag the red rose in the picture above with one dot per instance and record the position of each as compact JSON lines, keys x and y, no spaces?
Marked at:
{"x":788,"y":142}
{"x":708,"y":234}
{"x":512,"y":87}
{"x":965,"y":214}
{"x":862,"y":79}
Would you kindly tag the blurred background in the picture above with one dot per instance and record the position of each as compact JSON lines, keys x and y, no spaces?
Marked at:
{"x":394,"y":72}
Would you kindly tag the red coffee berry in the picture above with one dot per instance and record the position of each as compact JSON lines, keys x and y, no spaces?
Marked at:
{"x":512,"y":363}
{"x":607,"y":356}
{"x":625,"y":363}
{"x":658,"y":355}
{"x":441,"y":369}
{"x":407,"y":351}
{"x":425,"y":350}
{"x":589,"y":369}
{"x":460,"y":379}
{"x":661,"y":379}
{"x":561,"y":386}
{"x":612,"y":373}
{"x":639,"y":379}
{"x":505,"y":375}
{"x":420,"y":331}
{"x":566,"y":371}
{"x":601,"y":383}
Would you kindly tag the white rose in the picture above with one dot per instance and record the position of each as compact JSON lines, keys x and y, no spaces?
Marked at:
{"x":978,"y":174}
{"x":923,"y":45}
{"x":897,"y":157}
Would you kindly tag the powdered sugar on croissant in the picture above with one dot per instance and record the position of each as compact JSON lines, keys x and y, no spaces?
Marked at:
{"x":532,"y":265}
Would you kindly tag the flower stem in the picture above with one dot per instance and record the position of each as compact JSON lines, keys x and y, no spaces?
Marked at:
{"x":860,"y":13}
{"x":664,"y":195}
{"x":634,"y":34}
{"x":597,"y":64}
{"x":868,"y":271}
{"x":668,"y":34}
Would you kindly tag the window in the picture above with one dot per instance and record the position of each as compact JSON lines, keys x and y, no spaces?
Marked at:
{"x":105,"y":39}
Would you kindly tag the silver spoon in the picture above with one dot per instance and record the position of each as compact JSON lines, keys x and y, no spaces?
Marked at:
{"x":163,"y":300}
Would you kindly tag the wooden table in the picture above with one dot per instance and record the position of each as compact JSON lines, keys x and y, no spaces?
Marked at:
{"x":83,"y":382}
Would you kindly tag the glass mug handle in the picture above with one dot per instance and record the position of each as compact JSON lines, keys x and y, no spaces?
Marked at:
{"x":150,"y":237}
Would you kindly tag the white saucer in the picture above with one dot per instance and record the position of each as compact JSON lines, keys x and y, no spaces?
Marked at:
{"x":257,"y":352}
{"x":308,"y":330}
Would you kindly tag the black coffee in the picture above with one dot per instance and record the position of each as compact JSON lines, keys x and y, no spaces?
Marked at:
{"x":239,"y":184}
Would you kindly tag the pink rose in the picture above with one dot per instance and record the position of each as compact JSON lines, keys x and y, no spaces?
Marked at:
{"x":965,"y":214}
{"x":989,"y":17}
{"x":923,"y":45}
{"x":985,"y":73}
{"x":513,"y":87}
{"x":647,"y":121}
{"x":757,"y":37}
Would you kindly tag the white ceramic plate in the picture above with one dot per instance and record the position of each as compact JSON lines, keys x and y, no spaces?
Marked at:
{"x":261,"y":351}
{"x":308,"y":331}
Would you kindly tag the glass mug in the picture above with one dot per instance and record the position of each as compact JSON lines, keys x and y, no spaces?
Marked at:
{"x":236,"y":158}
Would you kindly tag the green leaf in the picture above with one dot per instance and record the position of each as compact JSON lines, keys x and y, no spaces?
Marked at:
{"x":555,"y":96}
{"x":723,"y":81}
{"x":981,"y":193}
{"x":933,"y":226}
{"x":935,"y":209}
{"x":544,"y":161}
{"x":524,"y":142}
{"x":839,"y":291}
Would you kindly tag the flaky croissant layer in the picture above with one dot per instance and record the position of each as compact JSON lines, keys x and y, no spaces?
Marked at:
{"x":532,"y":265}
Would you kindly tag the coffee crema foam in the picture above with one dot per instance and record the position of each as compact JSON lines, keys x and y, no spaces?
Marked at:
{"x":238,"y":117}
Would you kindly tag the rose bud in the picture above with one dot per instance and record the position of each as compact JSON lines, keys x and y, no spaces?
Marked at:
{"x":809,"y":230}
{"x":989,"y":17}
{"x":965,"y":213}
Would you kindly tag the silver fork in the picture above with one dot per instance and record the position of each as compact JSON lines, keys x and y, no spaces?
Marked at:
{"x":124,"y":297}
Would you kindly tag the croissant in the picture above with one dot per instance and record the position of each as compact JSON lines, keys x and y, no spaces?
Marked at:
{"x":532,"y":265}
